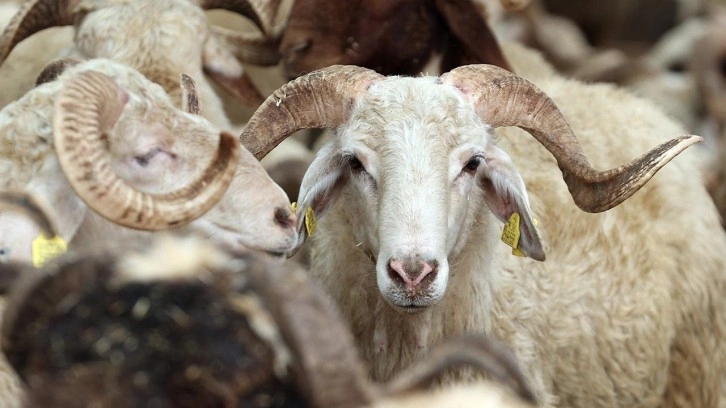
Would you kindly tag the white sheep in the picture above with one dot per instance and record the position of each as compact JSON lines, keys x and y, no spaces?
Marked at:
{"x":626,"y":311}
{"x":161,"y":39}
{"x":164,"y":166}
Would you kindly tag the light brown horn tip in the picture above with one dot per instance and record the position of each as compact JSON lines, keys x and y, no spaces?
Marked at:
{"x":190,"y":94}
{"x":633,"y":178}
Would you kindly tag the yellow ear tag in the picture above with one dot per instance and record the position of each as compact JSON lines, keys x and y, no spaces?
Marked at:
{"x":510,"y":234}
{"x":44,"y":249}
{"x":310,"y":221}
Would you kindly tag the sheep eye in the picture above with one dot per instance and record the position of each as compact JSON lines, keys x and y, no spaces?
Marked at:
{"x":355,"y":164}
{"x":472,"y":164}
{"x":144,"y":160}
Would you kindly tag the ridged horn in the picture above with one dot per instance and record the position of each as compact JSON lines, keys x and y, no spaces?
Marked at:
{"x":190,"y":94}
{"x":34,"y":16}
{"x":502,"y":98}
{"x":82,"y":111}
{"x":320,"y":99}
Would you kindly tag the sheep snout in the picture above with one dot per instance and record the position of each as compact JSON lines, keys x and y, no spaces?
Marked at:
{"x":412,"y":273}
{"x":412,"y":283}
{"x":285,"y":218}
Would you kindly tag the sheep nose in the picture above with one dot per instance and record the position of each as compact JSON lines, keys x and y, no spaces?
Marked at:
{"x":285,"y":218}
{"x":413,"y":273}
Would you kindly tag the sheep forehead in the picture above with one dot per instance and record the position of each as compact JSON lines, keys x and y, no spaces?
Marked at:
{"x":413,"y":115}
{"x":158,"y":23}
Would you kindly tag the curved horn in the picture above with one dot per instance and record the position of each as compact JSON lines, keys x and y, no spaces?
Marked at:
{"x":248,"y":47}
{"x":25,"y":203}
{"x":190,"y":94}
{"x":326,"y":367}
{"x":262,"y":12}
{"x":490,"y":357}
{"x":502,"y":98}
{"x":81,"y":112}
{"x":320,"y":99}
{"x":34,"y":16}
{"x":55,"y":68}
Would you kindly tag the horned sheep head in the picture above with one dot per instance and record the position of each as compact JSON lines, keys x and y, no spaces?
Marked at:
{"x":415,"y":157}
{"x":138,"y":161}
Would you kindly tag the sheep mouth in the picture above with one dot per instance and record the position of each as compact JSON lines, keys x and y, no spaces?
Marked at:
{"x":413,"y":309}
{"x":409,"y":307}
{"x":277,"y":254}
{"x":236,"y":242}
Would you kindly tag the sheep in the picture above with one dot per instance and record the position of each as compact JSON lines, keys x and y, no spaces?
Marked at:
{"x":151,"y":33}
{"x":183,"y":323}
{"x":164,"y":167}
{"x":627,"y":310}
{"x":147,"y":36}
{"x":392,"y":37}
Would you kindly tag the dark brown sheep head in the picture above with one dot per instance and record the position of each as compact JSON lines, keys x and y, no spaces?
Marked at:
{"x":392,"y":37}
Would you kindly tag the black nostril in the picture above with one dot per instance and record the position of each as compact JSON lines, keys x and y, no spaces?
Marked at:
{"x":284,"y":218}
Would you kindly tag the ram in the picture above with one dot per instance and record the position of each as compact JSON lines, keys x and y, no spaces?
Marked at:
{"x":411,"y":194}
{"x":183,"y":323}
{"x":102,"y":136}
{"x":392,"y":37}
{"x":161,"y":39}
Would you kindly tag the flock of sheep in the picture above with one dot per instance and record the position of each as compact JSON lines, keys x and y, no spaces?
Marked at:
{"x":479,"y":217}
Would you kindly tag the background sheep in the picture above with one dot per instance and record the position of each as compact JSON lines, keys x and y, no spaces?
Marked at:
{"x":160,"y":39}
{"x":392,"y":37}
{"x":182,"y":323}
{"x":153,"y":147}
{"x":573,"y":317}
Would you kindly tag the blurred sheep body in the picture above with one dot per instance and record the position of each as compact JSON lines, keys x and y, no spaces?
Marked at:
{"x":182,"y":323}
{"x":154,"y":147}
{"x":628,"y":302}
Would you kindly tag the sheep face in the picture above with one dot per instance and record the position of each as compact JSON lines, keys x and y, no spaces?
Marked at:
{"x":419,"y":180}
{"x":155,"y":148}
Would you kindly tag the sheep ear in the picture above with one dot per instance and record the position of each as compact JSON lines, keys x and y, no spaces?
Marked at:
{"x":321,"y":185}
{"x":470,"y":28}
{"x":506,"y":195}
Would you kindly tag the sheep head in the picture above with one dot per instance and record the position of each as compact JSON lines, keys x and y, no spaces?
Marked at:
{"x":147,"y":36}
{"x":138,"y":161}
{"x":389,"y":36}
{"x":417,"y":158}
